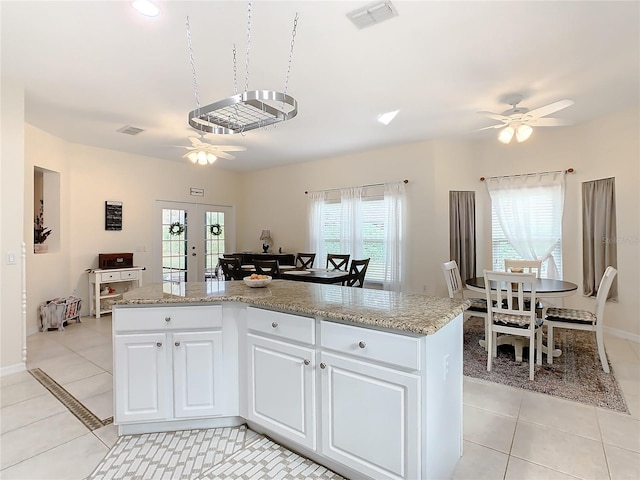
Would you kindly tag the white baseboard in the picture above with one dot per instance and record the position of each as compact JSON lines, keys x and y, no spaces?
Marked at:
{"x":11,"y":369}
{"x":622,"y":334}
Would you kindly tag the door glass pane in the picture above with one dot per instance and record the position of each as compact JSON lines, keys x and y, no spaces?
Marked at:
{"x":214,"y":236}
{"x":174,"y":245}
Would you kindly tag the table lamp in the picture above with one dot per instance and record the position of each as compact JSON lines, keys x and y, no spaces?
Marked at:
{"x":266,"y":240}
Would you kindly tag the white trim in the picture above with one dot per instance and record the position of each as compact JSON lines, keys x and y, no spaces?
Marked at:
{"x":11,"y":369}
{"x":622,"y":334}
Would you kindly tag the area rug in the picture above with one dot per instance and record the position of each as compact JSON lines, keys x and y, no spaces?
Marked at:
{"x":575,"y":375}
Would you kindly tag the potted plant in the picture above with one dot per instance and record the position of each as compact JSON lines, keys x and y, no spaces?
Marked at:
{"x":40,"y":232}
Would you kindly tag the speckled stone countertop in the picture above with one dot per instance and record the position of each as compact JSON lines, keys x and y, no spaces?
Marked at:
{"x":380,"y":308}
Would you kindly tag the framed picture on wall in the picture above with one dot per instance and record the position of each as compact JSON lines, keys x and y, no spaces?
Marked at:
{"x":112,"y":215}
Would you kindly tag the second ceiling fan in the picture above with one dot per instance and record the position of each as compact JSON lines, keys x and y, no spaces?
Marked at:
{"x":519,"y":121}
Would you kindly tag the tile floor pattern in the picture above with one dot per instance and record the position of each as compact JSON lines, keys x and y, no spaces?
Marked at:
{"x":508,"y":433}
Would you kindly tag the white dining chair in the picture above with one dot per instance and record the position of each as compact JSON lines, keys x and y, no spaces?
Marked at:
{"x":478,"y":306}
{"x":582,"y":319}
{"x":511,"y":315}
{"x":526,"y":266}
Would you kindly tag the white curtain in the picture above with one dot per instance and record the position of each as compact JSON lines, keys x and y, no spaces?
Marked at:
{"x":351,"y":222}
{"x":395,"y":199}
{"x":517,"y":202}
{"x":316,"y":218}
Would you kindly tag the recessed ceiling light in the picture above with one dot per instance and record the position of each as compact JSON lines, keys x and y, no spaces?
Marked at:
{"x":146,"y":7}
{"x":385,"y":118}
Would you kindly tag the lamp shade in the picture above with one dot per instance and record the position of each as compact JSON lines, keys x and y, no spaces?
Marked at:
{"x":265,"y":235}
{"x":523,"y":132}
{"x":506,"y":135}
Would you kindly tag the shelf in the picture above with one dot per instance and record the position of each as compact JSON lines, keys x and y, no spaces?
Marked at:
{"x":111,"y":295}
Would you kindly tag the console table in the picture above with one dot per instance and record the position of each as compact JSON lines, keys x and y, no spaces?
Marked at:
{"x":119,"y":279}
{"x":283,"y":258}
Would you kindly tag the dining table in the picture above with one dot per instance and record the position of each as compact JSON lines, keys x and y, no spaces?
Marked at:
{"x":545,"y":288}
{"x":316,"y":275}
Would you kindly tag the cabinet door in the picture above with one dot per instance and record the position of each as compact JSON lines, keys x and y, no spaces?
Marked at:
{"x":281,"y":388}
{"x":197,"y":374}
{"x":370,"y":417}
{"x":141,"y":378}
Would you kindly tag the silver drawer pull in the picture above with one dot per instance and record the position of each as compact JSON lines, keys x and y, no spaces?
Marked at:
{"x":159,"y":344}
{"x":306,"y":362}
{"x":177,"y":344}
{"x":274,"y":324}
{"x":167,"y":319}
{"x":323,"y":365}
{"x":362,"y":344}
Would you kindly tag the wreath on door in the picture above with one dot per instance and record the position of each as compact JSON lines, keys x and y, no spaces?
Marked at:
{"x":215,"y":229}
{"x":176,"y":228}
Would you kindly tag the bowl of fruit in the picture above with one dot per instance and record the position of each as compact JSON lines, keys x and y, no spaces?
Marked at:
{"x":256,"y":280}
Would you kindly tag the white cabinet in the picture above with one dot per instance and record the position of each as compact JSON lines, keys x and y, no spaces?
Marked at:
{"x":280,"y":379}
{"x":118,"y":279}
{"x":370,"y":413}
{"x":168,"y":364}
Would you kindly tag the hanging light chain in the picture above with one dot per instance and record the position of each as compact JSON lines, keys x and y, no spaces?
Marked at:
{"x":235,"y":71}
{"x":193,"y":65}
{"x":246,"y":78}
{"x":293,"y":42}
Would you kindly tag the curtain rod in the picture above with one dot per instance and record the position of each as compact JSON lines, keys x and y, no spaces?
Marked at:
{"x":370,"y":185}
{"x":568,"y":170}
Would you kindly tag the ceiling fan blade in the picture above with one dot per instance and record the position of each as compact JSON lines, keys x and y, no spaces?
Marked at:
{"x":228,"y":148}
{"x":551,"y":108}
{"x":495,"y":116}
{"x":180,"y":146}
{"x":492,"y":126}
{"x":550,"y":122}
{"x":228,"y":156}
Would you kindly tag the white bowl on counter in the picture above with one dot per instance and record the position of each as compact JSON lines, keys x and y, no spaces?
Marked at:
{"x":256,"y":283}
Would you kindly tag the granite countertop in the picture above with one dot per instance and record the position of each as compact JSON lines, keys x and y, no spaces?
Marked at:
{"x":405,"y":312}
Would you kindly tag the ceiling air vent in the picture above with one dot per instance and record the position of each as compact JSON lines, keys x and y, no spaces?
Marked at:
{"x":372,"y":14}
{"x":129,"y":130}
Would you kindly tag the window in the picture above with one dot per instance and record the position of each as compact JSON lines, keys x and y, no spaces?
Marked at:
{"x":532,"y":217}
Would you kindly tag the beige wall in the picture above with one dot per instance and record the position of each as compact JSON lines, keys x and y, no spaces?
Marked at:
{"x":90,"y":176}
{"x":12,"y":220}
{"x":603,"y":148}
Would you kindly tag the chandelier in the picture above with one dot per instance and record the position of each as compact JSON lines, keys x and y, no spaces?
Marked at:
{"x":248,"y":110}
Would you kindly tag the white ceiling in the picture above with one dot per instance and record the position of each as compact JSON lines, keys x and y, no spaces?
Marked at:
{"x":92,"y":67}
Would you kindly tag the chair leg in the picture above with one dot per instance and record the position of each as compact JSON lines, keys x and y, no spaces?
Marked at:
{"x":532,"y":353}
{"x":489,"y":348}
{"x":601,"y":352}
{"x":494,"y":339}
{"x":486,"y":332}
{"x":550,"y":344}
{"x":539,"y":346}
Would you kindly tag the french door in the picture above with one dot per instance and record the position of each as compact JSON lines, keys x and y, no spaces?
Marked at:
{"x":190,"y":239}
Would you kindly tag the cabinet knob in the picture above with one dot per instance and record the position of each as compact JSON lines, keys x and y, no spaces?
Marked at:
{"x":159,"y":344}
{"x":323,"y":365}
{"x":167,"y":319}
{"x":177,"y":344}
{"x":362,"y":344}
{"x":274,"y":324}
{"x":306,"y":362}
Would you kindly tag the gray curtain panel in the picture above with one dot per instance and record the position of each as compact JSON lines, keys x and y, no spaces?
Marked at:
{"x":462,"y":232}
{"x":599,"y":249}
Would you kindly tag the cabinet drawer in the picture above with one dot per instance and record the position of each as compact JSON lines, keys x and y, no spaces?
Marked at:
{"x":282,"y":325}
{"x":109,"y":276}
{"x":386,"y":347}
{"x":131,"y":275}
{"x":166,"y":318}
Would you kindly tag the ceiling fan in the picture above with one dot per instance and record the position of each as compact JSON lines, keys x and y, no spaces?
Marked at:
{"x":201,"y":152}
{"x":520,"y":120}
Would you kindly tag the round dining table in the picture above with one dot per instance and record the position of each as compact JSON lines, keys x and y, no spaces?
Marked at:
{"x":545,"y":288}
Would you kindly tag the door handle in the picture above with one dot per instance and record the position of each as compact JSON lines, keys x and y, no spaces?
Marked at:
{"x":193,"y":254}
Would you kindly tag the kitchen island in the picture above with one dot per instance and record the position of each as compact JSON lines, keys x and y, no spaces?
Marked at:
{"x":366,"y":382}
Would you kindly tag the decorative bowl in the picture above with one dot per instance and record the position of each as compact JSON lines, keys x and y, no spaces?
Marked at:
{"x":256,"y":283}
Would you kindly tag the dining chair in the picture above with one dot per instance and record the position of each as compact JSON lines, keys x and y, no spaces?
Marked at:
{"x":523,"y":266}
{"x":267,"y":267}
{"x":231,"y":268}
{"x":511,"y":315}
{"x":478,"y":306}
{"x":338,"y":261}
{"x":582,"y":319}
{"x":357,"y":272}
{"x":305,"y":260}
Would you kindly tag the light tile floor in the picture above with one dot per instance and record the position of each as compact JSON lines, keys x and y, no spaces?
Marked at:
{"x":508,"y":433}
